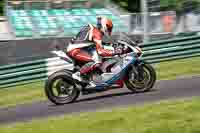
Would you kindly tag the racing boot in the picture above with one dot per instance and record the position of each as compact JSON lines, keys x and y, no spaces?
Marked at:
{"x":80,"y":78}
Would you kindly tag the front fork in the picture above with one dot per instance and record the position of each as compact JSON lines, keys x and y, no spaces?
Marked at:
{"x":138,"y":70}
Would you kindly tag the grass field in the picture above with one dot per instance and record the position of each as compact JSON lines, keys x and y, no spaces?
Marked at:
{"x":180,"y":116}
{"x":21,"y":94}
{"x":35,"y":92}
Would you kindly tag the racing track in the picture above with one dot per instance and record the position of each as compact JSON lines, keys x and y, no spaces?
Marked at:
{"x":170,"y":89}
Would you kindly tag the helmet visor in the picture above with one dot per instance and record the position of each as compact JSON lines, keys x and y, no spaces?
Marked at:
{"x":109,"y":29}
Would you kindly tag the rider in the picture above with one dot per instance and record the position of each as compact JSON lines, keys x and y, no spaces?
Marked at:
{"x":92,"y":34}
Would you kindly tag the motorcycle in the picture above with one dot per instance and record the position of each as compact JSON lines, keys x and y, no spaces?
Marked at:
{"x":115,"y":72}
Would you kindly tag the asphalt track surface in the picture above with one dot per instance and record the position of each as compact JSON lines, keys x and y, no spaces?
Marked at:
{"x":163,"y":90}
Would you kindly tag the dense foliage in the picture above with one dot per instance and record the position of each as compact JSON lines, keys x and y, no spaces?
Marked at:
{"x":180,"y":6}
{"x":129,"y":5}
{"x":1,"y":7}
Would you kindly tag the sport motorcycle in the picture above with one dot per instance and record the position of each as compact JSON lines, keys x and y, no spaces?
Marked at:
{"x":115,"y":72}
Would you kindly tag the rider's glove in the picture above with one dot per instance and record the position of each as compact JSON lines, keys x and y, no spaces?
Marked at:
{"x":118,"y":52}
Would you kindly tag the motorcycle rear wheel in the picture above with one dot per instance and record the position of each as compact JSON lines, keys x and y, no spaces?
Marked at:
{"x":60,"y":88}
{"x":144,"y":85}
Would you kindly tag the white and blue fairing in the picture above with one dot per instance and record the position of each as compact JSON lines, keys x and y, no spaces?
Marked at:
{"x":119,"y":70}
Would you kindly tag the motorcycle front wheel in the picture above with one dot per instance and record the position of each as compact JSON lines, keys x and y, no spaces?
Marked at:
{"x":60,"y":88}
{"x":144,"y":84}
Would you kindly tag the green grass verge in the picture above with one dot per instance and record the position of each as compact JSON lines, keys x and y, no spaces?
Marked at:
{"x":35,"y":92}
{"x":180,"y":116}
{"x":21,"y":94}
{"x":178,"y":68}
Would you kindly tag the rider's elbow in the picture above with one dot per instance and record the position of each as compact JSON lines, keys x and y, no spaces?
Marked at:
{"x":100,"y":52}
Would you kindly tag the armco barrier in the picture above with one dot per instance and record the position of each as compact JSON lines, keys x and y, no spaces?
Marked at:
{"x":19,"y":51}
{"x":12,"y":75}
{"x":154,"y":52}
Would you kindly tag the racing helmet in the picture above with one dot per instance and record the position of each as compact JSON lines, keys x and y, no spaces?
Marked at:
{"x":105,"y":25}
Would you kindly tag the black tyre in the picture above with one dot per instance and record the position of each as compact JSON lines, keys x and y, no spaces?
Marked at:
{"x":147,"y":82}
{"x":60,"y":88}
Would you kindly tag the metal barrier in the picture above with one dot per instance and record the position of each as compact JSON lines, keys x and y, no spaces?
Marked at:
{"x":158,"y":22}
{"x":16,"y":74}
{"x":154,"y":52}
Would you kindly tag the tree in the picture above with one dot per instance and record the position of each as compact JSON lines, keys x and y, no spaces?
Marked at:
{"x":1,"y":7}
{"x":181,"y":7}
{"x":129,"y":5}
{"x":134,"y":5}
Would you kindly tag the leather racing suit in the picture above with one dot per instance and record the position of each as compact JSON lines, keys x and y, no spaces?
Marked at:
{"x":92,"y":34}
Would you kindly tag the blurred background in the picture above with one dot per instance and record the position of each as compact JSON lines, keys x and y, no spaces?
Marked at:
{"x":29,"y":29}
{"x":63,"y":18}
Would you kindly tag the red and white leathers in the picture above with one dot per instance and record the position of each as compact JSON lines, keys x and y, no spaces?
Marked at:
{"x":92,"y":34}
